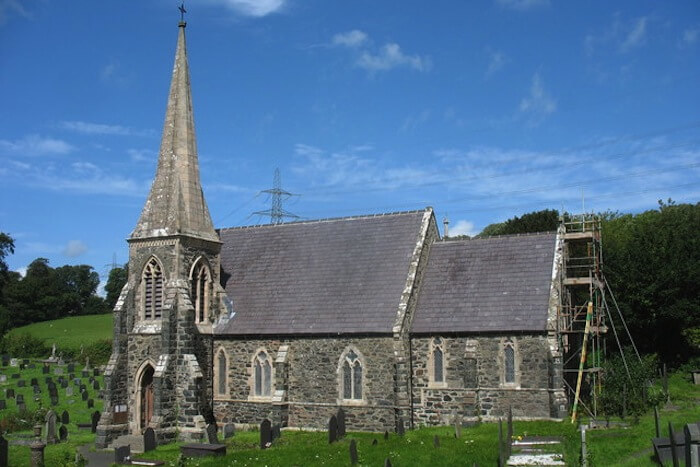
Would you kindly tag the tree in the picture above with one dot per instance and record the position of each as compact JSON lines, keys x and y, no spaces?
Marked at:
{"x":117,"y":278}
{"x":546,"y":220}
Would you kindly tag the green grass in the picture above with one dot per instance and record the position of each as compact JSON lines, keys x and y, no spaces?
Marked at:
{"x":71,"y":332}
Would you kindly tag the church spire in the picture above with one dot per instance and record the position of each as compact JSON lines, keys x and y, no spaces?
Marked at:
{"x":176,"y":204}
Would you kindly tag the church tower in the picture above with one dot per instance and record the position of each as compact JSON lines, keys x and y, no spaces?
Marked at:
{"x":159,"y":374}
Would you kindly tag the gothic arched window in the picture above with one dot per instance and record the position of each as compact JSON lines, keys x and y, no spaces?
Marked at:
{"x":221,"y":373}
{"x":351,"y":374}
{"x":152,"y":290}
{"x":262,"y":375}
{"x":438,"y":361}
{"x":200,"y":289}
{"x":509,"y":362}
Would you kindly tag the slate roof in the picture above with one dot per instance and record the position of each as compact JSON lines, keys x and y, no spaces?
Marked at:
{"x":332,"y":276}
{"x":492,"y":284}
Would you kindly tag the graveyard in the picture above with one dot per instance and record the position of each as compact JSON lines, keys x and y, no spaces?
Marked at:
{"x":62,"y":398}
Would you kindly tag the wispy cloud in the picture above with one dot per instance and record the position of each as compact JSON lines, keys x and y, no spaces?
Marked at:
{"x":141,"y":155}
{"x":74,"y":248}
{"x":35,"y":145}
{"x":522,"y":4}
{"x":113,"y":74}
{"x":636,"y":36}
{"x":463,"y":227}
{"x":10,"y":8}
{"x":538,"y":104}
{"x":353,"y":38}
{"x":255,"y":8}
{"x":90,"y":128}
{"x":497,"y":60}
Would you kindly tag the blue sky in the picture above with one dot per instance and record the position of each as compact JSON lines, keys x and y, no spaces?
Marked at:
{"x":483,"y":110}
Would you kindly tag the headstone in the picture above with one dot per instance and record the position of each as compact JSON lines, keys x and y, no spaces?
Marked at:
{"x":21,"y":406}
{"x":333,"y":429}
{"x":71,"y":367}
{"x":21,"y":383}
{"x":3,"y":404}
{"x":31,"y":366}
{"x":229,"y":430}
{"x":58,"y":371}
{"x":3,"y":378}
{"x":211,"y":434}
{"x":71,"y":377}
{"x":34,"y":382}
{"x":10,"y":393}
{"x":85,"y":395}
{"x":36,"y":389}
{"x":19,"y":398}
{"x":65,"y":417}
{"x":341,"y":423}
{"x":672,"y":438}
{"x":90,"y":403}
{"x":276,"y":432}
{"x":63,"y":433}
{"x":22,"y":366}
{"x":457,"y":422}
{"x":14,"y":362}
{"x":83,"y":388}
{"x":96,"y":418}
{"x":122,"y":454}
{"x":25,"y":361}
{"x":386,"y":435}
{"x":16,"y":376}
{"x":5,"y":360}
{"x":54,"y":400}
{"x":48,"y":379}
{"x":436,"y":441}
{"x":399,"y":427}
{"x":51,"y":427}
{"x":353,"y":452}
{"x":149,"y":438}
{"x":95,"y":372}
{"x":37,"y":453}
{"x":4,"y":457}
{"x":69,"y":391}
{"x":96,"y":385}
{"x":375,"y":442}
{"x":692,"y":444}
{"x":45,"y":370}
{"x":265,"y":434}
{"x":85,"y":373}
{"x":387,"y":462}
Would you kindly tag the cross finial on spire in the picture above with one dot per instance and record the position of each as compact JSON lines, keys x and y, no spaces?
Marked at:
{"x":182,"y":12}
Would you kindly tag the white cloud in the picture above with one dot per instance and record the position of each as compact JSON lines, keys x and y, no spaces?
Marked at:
{"x":22,"y":271}
{"x":353,"y":38}
{"x":74,"y":248}
{"x":140,"y":155}
{"x":12,"y":7}
{"x":256,"y":8}
{"x":691,"y":36}
{"x":522,"y":4}
{"x":539,"y":103}
{"x":390,"y":56}
{"x":35,"y":145}
{"x":636,"y":36}
{"x":90,"y":128}
{"x":463,"y":227}
{"x":496,"y":62}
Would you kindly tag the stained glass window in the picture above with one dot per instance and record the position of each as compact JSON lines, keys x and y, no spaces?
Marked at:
{"x":222,"y":373}
{"x":437,"y":364}
{"x":352,"y":376}
{"x":509,"y":354}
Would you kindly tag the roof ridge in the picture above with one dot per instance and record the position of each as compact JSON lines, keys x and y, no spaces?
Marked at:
{"x":328,"y":219}
{"x":493,"y":237}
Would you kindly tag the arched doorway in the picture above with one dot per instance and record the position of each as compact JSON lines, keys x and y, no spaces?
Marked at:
{"x":146,"y":400}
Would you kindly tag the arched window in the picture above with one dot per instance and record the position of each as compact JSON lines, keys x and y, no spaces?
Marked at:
{"x":200,"y":283}
{"x":438,"y":362}
{"x":221,"y":373}
{"x":262,"y":373}
{"x":509,"y":362}
{"x":152,"y":290}
{"x":351,"y":376}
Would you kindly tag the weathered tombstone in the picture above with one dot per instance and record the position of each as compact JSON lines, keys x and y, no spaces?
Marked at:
{"x":333,"y":429}
{"x":96,"y":419}
{"x":85,"y":373}
{"x":375,"y":442}
{"x":229,"y":430}
{"x":36,"y":389}
{"x":83,"y":388}
{"x":341,"y":423}
{"x":21,"y":406}
{"x":276,"y":432}
{"x":16,"y":376}
{"x":37,"y":450}
{"x":63,"y":433}
{"x":692,"y":444}
{"x":399,"y":427}
{"x":149,"y":438}
{"x":85,"y":395}
{"x":386,"y":435}
{"x":34,"y":382}
{"x":353,"y":452}
{"x":10,"y":393}
{"x":212,"y":435}
{"x":19,"y":398}
{"x":14,"y":362}
{"x":65,"y":417}
{"x":95,"y":372}
{"x":90,"y":403}
{"x":50,"y":427}
{"x":657,"y":422}
{"x":122,"y":454}
{"x":3,"y":452}
{"x":265,"y":434}
{"x":96,"y":385}
{"x":387,"y":462}
{"x":54,"y":400}
{"x":45,"y":370}
{"x":69,"y":391}
{"x":21,"y":383}
{"x":672,"y":438}
{"x":436,"y":441}
{"x":3,"y":404}
{"x":457,"y":422}
{"x":3,"y":378}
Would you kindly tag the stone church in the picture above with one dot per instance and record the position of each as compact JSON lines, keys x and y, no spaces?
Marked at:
{"x":375,"y":314}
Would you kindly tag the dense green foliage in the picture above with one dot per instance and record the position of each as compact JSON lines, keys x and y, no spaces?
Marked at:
{"x":626,"y":387}
{"x":546,"y":220}
{"x":117,"y":278}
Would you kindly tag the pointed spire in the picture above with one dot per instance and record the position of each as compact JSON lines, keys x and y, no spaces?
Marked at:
{"x":176,"y":203}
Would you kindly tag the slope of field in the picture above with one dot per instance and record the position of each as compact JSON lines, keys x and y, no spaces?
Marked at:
{"x":70,"y":332}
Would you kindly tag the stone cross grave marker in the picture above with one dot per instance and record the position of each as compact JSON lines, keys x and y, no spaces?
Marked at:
{"x":229,"y":430}
{"x":65,"y":417}
{"x":265,"y":434}
{"x":332,"y":429}
{"x":353,"y":452}
{"x":212,"y":435}
{"x":122,"y":454}
{"x":3,"y":451}
{"x":149,"y":439}
{"x":63,"y":433}
{"x":96,"y":419}
{"x":341,"y":423}
{"x":51,"y":427}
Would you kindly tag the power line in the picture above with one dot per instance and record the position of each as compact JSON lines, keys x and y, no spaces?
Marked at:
{"x":276,"y":213}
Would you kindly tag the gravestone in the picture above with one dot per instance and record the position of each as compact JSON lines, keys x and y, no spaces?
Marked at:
{"x":31,"y":366}
{"x":375,"y":442}
{"x":45,"y":370}
{"x":64,"y":384}
{"x":69,"y":391}
{"x":34,"y":382}
{"x":51,"y":427}
{"x":3,"y":404}
{"x":353,"y":452}
{"x":83,"y":388}
{"x":90,"y":403}
{"x":96,"y":418}
{"x":21,"y":406}
{"x":436,"y":441}
{"x":36,"y":389}
{"x":85,"y":373}
{"x":122,"y":454}
{"x":65,"y":417}
{"x":149,"y":438}
{"x":276,"y":432}
{"x":457,"y":422}
{"x":95,"y":372}
{"x":71,"y":367}
{"x":692,"y":444}
{"x":71,"y":377}
{"x":229,"y":430}
{"x":21,"y":383}
{"x":25,"y":361}
{"x":22,"y":366}
{"x":3,"y":378}
{"x":387,"y":462}
{"x":332,"y":429}
{"x":265,"y":434}
{"x":212,"y":434}
{"x":63,"y":433}
{"x":58,"y":371}
{"x":84,"y":395}
{"x":10,"y":393}
{"x":54,"y":400}
{"x":96,"y":385}
{"x":341,"y":423}
{"x":48,"y":379}
{"x":5,"y":360}
{"x":14,"y":362}
{"x":19,"y":398}
{"x":16,"y":376}
{"x":4,"y":457}
{"x":400,"y":430}
{"x":386,"y":435}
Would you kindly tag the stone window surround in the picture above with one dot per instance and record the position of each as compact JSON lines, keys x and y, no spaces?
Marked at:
{"x":513,"y":343}
{"x":142,"y":290}
{"x":199,"y":266}
{"x":217,"y":375}
{"x":341,"y":384}
{"x":251,"y":378}
{"x":431,"y":363}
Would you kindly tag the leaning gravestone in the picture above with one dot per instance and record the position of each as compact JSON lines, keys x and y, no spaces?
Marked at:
{"x":149,"y":439}
{"x":341,"y":423}
{"x":95,"y":420}
{"x":229,"y":430}
{"x":65,"y":417}
{"x":122,"y":454}
{"x":3,"y":378}
{"x":63,"y":433}
{"x":212,"y":434}
{"x":265,"y":434}
{"x":51,"y":427}
{"x":332,"y":429}
{"x":353,"y":452}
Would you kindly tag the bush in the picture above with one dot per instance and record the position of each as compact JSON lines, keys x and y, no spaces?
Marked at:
{"x":24,"y":345}
{"x":629,"y":394}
